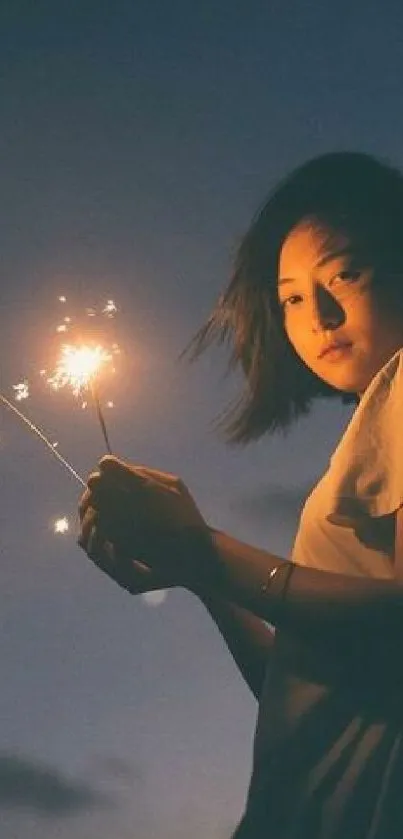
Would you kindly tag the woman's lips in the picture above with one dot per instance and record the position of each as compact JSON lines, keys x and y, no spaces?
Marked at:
{"x":337,"y":352}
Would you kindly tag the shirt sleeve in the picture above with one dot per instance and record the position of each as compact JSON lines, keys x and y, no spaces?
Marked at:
{"x":365,"y":477}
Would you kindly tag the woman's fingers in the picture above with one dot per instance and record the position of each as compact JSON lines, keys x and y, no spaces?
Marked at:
{"x":91,"y":494}
{"x":133,"y":575}
{"x":118,"y":472}
{"x":117,"y":487}
{"x":115,"y":504}
{"x":89,"y":518}
{"x":114,"y":521}
{"x":131,"y":476}
{"x":84,"y":503}
{"x":97,"y":547}
{"x":144,"y":514}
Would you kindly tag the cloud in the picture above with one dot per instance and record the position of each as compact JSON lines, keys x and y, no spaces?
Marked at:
{"x":29,"y":785}
{"x":114,"y":768}
{"x":118,"y":767}
{"x":272,"y":501}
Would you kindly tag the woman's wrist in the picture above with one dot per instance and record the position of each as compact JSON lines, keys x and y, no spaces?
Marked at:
{"x":206,"y":578}
{"x":252,"y":578}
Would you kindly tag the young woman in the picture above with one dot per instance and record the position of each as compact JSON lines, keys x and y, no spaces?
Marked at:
{"x":314,"y":308}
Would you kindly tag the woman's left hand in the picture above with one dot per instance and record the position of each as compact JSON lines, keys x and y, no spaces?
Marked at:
{"x":151,"y":516}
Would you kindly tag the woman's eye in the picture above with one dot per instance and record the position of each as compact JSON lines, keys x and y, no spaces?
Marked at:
{"x":290,"y":299}
{"x":347,"y":276}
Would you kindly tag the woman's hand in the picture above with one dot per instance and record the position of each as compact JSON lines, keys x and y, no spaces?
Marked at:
{"x":145,"y":520}
{"x":131,"y":575}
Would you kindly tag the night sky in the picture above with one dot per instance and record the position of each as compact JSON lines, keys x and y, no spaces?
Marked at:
{"x":137,"y":139}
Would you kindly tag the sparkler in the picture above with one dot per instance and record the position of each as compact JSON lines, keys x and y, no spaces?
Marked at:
{"x":79,"y":368}
{"x":39,"y":433}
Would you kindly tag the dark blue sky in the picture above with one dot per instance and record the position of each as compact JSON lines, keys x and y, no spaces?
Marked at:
{"x":137,"y":140}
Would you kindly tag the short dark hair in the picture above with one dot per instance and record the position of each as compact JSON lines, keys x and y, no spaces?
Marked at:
{"x":352,"y":192}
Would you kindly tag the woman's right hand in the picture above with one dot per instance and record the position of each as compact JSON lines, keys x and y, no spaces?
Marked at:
{"x":130,"y":574}
{"x":149,"y":517}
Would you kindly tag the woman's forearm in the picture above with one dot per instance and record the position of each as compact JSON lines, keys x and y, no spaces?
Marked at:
{"x":316,"y":601}
{"x":247,"y":637}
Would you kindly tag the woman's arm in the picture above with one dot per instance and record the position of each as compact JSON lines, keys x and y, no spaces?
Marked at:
{"x":316,"y":602}
{"x":152,"y":515}
{"x":247,"y":637}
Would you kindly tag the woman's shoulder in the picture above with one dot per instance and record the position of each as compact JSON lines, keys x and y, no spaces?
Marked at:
{"x":366,"y":468}
{"x":386,"y":378}
{"x":381,"y":398}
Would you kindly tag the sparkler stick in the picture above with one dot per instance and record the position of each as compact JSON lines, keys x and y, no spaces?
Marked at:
{"x":35,"y":430}
{"x":95,"y":398}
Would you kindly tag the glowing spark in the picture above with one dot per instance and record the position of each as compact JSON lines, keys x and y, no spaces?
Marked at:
{"x":21,"y":390}
{"x":61,"y":525}
{"x":78,"y":367}
{"x":62,"y":298}
{"x":110,"y":309}
{"x":110,"y":404}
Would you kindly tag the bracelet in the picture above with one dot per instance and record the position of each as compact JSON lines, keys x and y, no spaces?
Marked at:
{"x":266,"y":586}
{"x":288,"y":568}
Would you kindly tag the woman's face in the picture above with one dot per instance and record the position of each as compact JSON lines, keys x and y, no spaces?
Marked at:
{"x":326,"y":295}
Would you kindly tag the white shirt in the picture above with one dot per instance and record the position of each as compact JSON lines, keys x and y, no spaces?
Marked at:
{"x":346,"y":524}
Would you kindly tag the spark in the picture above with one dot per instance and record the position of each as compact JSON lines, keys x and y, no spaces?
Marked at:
{"x":110,"y":404}
{"x":61,"y":525}
{"x":62,"y":298}
{"x":110,"y":309}
{"x":21,"y":390}
{"x":78,"y":367}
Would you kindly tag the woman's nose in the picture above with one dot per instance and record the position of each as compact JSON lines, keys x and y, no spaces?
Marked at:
{"x":326,"y":311}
